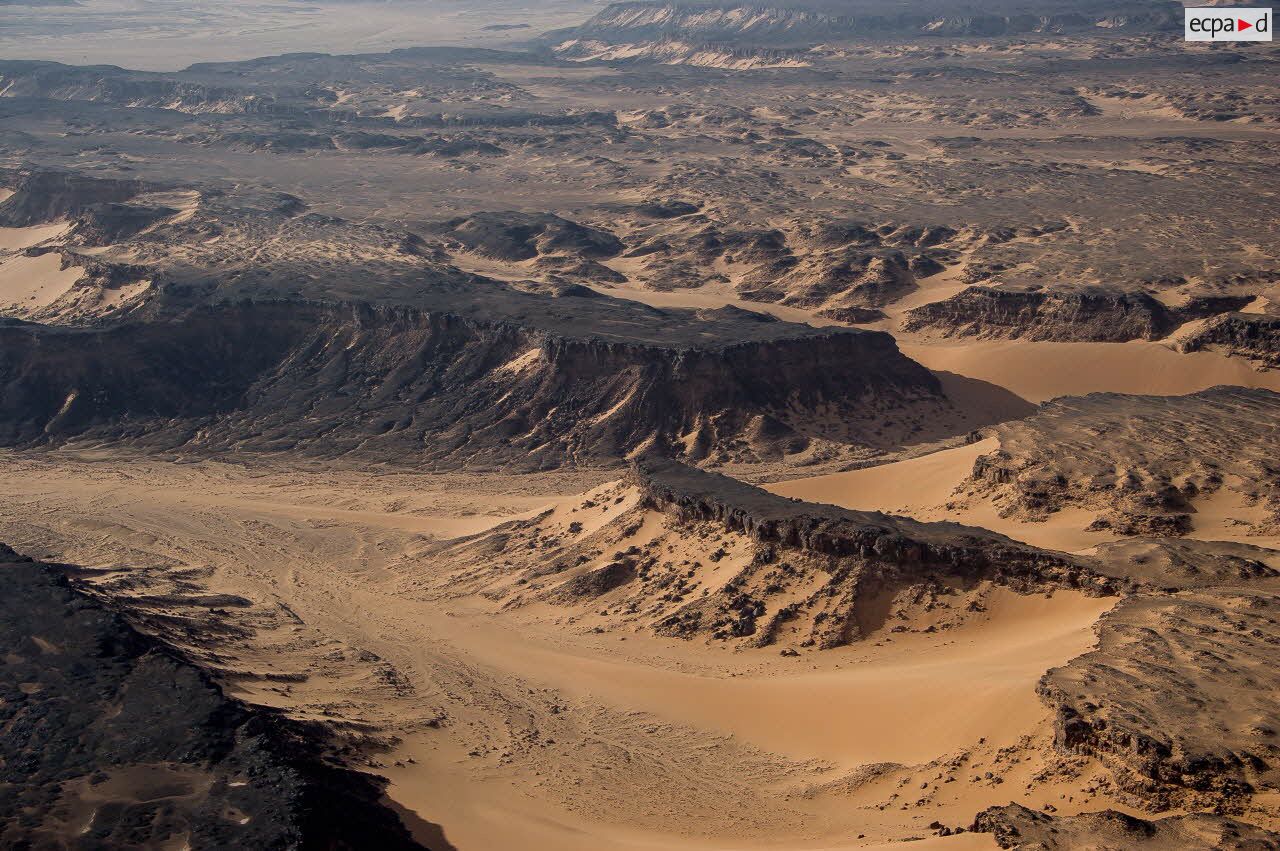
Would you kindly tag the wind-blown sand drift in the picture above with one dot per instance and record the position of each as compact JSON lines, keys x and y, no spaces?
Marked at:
{"x":715,"y":716}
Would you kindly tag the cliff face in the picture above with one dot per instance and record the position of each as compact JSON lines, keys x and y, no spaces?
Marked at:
{"x":1252,"y":335}
{"x":1084,"y":315}
{"x":45,"y":196}
{"x":383,"y":383}
{"x":135,"y":379}
{"x":112,"y":741}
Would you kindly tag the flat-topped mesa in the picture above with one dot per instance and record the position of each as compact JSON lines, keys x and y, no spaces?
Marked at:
{"x":359,"y":340}
{"x":1255,"y":336}
{"x":397,"y":383}
{"x":1088,"y":314}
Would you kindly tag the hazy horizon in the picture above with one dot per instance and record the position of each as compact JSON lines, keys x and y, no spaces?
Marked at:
{"x":169,"y":35}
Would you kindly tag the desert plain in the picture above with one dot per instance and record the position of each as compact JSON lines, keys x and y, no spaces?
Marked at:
{"x":827,"y":425}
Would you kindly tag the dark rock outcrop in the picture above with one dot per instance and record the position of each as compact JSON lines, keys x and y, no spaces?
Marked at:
{"x":728,"y":561}
{"x":109,"y":740}
{"x":43,"y":196}
{"x":1074,"y":315}
{"x":852,"y":315}
{"x":106,"y":223}
{"x":518,"y":236}
{"x":1017,"y":827}
{"x":1176,"y":699}
{"x":695,"y":495}
{"x":1161,"y":455}
{"x":1251,"y":335}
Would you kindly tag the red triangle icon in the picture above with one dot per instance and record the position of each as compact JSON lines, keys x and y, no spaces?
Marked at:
{"x":1244,"y":25}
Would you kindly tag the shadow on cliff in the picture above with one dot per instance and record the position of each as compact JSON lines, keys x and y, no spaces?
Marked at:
{"x":984,"y":403}
{"x":429,"y":834}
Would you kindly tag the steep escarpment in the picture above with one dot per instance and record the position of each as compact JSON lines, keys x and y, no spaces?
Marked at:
{"x":422,"y":386}
{"x":142,"y":381}
{"x":1251,"y":335}
{"x":44,"y":195}
{"x":680,"y":552}
{"x":1063,"y":315}
{"x":112,"y":740}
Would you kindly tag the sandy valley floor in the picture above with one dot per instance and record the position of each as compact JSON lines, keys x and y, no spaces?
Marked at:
{"x":511,"y":732}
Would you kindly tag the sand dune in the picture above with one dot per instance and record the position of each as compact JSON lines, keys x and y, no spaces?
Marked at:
{"x":855,"y":701}
{"x":921,"y":488}
{"x":1034,"y":371}
{"x":30,"y":283}
{"x":853,"y":715}
{"x":17,"y":238}
{"x":906,"y":487}
{"x":1040,"y":371}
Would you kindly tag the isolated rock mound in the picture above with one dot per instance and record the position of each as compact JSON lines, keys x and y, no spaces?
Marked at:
{"x":516,"y":236}
{"x":110,"y":740}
